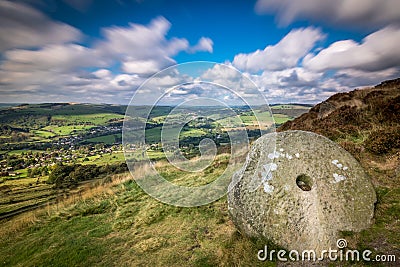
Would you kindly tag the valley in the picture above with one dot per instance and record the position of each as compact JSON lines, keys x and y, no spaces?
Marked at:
{"x":38,"y":139}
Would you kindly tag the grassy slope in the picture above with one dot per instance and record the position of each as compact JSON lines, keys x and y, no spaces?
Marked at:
{"x":118,"y":224}
{"x":40,"y":122}
{"x":65,"y":130}
{"x":105,"y":139}
{"x":96,"y":119}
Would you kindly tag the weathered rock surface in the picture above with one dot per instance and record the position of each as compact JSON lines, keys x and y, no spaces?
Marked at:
{"x":310,"y":190}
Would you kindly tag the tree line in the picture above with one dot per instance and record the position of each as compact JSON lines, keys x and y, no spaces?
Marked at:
{"x":67,"y":176}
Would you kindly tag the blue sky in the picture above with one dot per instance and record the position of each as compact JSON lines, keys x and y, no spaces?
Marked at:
{"x":101,"y":51}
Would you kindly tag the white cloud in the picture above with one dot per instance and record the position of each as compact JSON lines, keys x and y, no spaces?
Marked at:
{"x":291,"y":85}
{"x":342,"y":66}
{"x":102,"y":73}
{"x":140,"y":41}
{"x":24,"y":27}
{"x":145,"y":49}
{"x":227,"y":76}
{"x":357,"y":78}
{"x":145,"y":66}
{"x":378,"y":51}
{"x":219,"y":73}
{"x":301,"y":85}
{"x":285,"y":54}
{"x":41,"y":60}
{"x":280,"y":84}
{"x":126,"y":80}
{"x":204,"y":44}
{"x":59,"y":70}
{"x":348,"y":13}
{"x":54,"y":58}
{"x":233,"y":84}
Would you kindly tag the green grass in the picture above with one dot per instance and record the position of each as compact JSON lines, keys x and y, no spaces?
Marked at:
{"x":69,"y":243}
{"x":115,"y":157}
{"x":204,"y":177}
{"x":264,"y":116}
{"x":21,"y":173}
{"x":93,"y":119}
{"x":155,"y":155}
{"x":171,"y":117}
{"x":21,"y":191}
{"x":281,"y":118}
{"x":20,"y":151}
{"x":230,"y":121}
{"x":129,"y":228}
{"x":36,"y":116}
{"x":248,"y":120}
{"x":153,"y":135}
{"x":106,"y":139}
{"x":66,"y":130}
{"x":192,"y":133}
{"x":44,"y":134}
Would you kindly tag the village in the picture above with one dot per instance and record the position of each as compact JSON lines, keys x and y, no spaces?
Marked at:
{"x":37,"y":157}
{"x":12,"y":163}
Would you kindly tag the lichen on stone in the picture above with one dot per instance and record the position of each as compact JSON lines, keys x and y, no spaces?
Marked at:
{"x":338,"y":177}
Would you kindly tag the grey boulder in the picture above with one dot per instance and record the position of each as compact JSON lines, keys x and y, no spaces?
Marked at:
{"x":299,"y":190}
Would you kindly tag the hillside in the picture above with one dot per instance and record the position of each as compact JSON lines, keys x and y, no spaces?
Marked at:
{"x":115,"y":223}
{"x":118,"y":224}
{"x":371,"y":116}
{"x":366,"y":123}
{"x":63,"y":193}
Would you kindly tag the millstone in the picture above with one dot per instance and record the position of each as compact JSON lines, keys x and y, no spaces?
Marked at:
{"x":309,"y":190}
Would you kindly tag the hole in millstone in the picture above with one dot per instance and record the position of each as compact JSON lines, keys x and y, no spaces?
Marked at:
{"x":304,"y":182}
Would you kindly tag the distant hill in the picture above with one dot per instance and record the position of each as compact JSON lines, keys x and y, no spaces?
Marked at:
{"x":291,"y":110}
{"x":7,"y":105}
{"x":61,"y":109}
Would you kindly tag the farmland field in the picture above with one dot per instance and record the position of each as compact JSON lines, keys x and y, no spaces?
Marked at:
{"x":105,"y":139}
{"x":65,"y":130}
{"x":92,"y":119}
{"x":44,"y":134}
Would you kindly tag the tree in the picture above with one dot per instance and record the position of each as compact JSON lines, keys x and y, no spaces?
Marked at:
{"x":59,"y":176}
